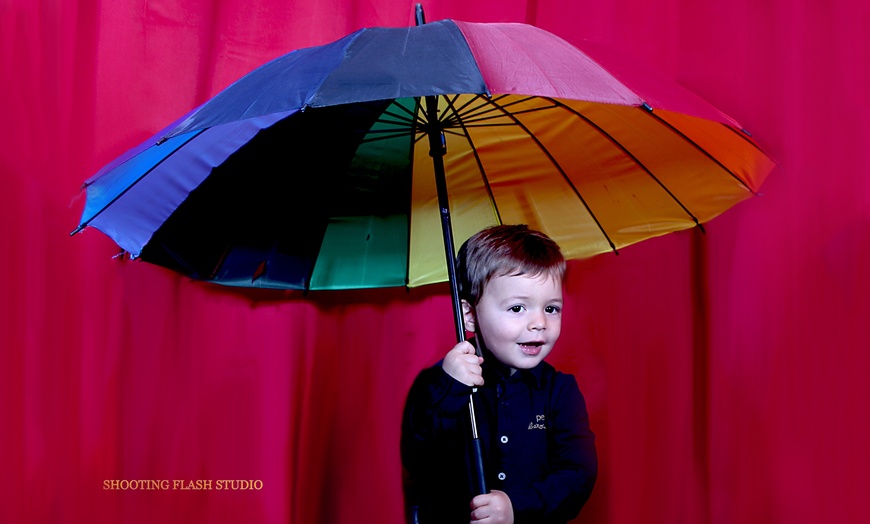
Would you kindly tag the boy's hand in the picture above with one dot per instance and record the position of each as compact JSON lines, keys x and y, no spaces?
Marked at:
{"x":493,"y":508}
{"x":463,"y":364}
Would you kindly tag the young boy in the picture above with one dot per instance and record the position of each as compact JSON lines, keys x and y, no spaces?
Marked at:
{"x":539,"y":453}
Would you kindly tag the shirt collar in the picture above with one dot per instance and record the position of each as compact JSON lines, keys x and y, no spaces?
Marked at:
{"x":493,"y":367}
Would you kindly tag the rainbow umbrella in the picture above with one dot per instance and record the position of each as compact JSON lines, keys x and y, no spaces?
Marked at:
{"x":359,"y":163}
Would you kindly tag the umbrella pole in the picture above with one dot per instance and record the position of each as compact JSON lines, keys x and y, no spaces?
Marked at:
{"x":437,"y":149}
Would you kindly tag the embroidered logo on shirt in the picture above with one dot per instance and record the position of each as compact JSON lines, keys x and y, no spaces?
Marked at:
{"x":538,"y":423}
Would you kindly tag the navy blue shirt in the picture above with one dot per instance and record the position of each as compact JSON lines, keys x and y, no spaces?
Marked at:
{"x":534,"y":431}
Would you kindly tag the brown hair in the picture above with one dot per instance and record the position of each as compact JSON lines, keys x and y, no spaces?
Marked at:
{"x":505,"y":250}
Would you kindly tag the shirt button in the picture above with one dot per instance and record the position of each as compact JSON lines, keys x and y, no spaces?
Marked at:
{"x":504,"y":439}
{"x":502,"y":476}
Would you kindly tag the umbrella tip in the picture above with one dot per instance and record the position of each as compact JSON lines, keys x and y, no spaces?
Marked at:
{"x":418,"y":14}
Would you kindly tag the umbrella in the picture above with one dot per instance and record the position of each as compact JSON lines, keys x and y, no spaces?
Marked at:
{"x":358,"y":163}
{"x":314,"y":171}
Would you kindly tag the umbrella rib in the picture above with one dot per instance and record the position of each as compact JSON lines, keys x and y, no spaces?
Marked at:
{"x":400,"y":119}
{"x":399,"y":122}
{"x":703,"y":151}
{"x":483,"y":112}
{"x":395,"y":123}
{"x":744,"y":134}
{"x":559,"y":168}
{"x":401,"y":125}
{"x":480,"y":168}
{"x":130,"y":186}
{"x":634,"y":159}
{"x":480,"y":114}
{"x":452,"y":119}
{"x":384,"y":135}
{"x":487,"y":106}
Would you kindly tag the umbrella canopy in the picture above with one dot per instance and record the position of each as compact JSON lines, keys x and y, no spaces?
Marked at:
{"x":316,"y":171}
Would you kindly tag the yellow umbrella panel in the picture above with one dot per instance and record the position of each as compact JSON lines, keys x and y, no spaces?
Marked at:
{"x":595,"y":177}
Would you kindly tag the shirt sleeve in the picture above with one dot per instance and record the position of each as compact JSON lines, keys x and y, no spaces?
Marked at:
{"x":434,"y":404}
{"x":430,"y":448}
{"x":572,"y":461}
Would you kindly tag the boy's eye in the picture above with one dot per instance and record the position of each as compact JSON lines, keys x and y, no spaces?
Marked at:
{"x":552,"y":309}
{"x":515,"y":309}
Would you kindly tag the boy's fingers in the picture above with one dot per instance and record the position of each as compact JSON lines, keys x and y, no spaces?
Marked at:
{"x":463,"y":364}
{"x":466,"y":347}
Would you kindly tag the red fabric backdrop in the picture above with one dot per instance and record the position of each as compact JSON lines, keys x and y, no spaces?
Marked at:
{"x":725,"y":373}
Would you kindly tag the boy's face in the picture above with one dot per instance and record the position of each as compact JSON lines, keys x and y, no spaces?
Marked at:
{"x":519,"y":318}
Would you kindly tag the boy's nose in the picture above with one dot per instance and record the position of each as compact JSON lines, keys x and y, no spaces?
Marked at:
{"x":538,"y":322}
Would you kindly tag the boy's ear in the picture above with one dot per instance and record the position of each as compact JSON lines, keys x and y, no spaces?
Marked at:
{"x":468,"y":316}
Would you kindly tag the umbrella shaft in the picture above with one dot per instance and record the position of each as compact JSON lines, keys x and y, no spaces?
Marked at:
{"x":436,"y":151}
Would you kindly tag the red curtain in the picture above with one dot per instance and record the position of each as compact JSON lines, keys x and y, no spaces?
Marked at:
{"x":725,"y":373}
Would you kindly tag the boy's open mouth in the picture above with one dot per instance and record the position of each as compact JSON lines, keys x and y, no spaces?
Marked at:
{"x":531,"y":348}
